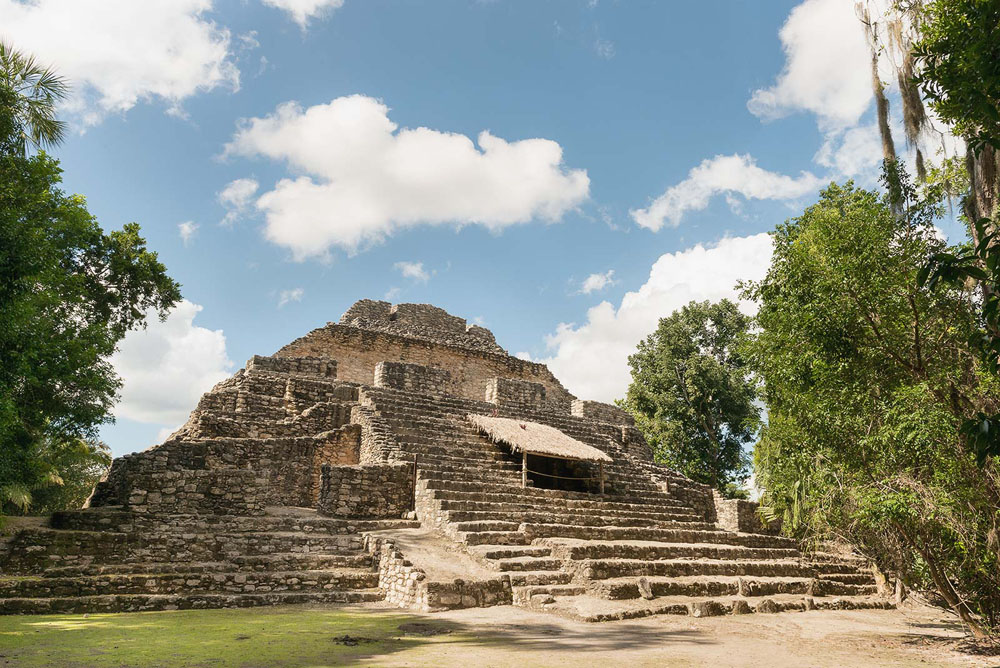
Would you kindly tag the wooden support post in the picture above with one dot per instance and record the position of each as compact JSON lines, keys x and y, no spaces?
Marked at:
{"x":600,"y":467}
{"x":524,"y":469}
{"x":413,"y":501}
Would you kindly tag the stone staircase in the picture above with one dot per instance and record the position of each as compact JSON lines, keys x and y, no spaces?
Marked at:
{"x":635,"y":551}
{"x":108,"y":560}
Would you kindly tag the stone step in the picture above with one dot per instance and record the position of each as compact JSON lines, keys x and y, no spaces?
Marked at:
{"x":509,"y":552}
{"x":581,"y":520}
{"x":144,"y":602}
{"x":601,"y":569}
{"x":524,"y":595}
{"x":525,"y":578}
{"x":486,"y":525}
{"x":202,"y":582}
{"x":492,"y":538}
{"x":470,"y":491}
{"x":702,"y":586}
{"x":110,"y":518}
{"x":847,"y":578}
{"x":590,"y":609}
{"x":288,"y":561}
{"x":655,"y":534}
{"x":527,"y":563}
{"x":464,"y":505}
{"x":649,"y":550}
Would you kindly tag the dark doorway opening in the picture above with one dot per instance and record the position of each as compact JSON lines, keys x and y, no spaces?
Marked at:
{"x":568,"y":475}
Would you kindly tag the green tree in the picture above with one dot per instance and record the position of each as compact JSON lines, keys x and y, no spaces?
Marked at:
{"x":866,"y":378}
{"x":691,"y":394}
{"x":68,"y":293}
{"x":30,"y":96}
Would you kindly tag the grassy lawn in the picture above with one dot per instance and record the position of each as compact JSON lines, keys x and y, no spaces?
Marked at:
{"x":282,"y":636}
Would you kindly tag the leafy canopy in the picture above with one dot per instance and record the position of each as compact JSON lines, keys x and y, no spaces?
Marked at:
{"x":691,"y":394}
{"x":68,"y":293}
{"x":866,"y":378}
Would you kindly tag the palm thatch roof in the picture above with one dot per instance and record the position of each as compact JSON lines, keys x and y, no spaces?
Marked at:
{"x":536,"y":439}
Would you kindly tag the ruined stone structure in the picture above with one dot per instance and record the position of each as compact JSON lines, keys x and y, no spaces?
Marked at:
{"x":298,"y":479}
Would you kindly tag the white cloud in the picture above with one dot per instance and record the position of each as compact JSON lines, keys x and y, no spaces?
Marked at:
{"x":605,"y":48}
{"x":723,"y":174}
{"x":597,"y":282}
{"x":166,"y":367}
{"x":852,"y":152}
{"x":117,"y":53}
{"x":293,"y":295}
{"x":827,"y":66}
{"x":592,"y":359}
{"x":361,"y":178}
{"x":303,"y":10}
{"x":187,"y":230}
{"x":414,"y":270}
{"x":237,"y":198}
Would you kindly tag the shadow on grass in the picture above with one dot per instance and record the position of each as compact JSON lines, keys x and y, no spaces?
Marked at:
{"x":299,"y":635}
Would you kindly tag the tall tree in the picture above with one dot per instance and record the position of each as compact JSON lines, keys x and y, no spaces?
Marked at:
{"x":691,"y":394}
{"x":866,"y":377}
{"x":31,"y":93}
{"x":68,"y":293}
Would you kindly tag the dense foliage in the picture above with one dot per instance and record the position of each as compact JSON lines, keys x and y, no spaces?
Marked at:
{"x":959,"y":66}
{"x":867,"y":378}
{"x":68,"y":293}
{"x":691,"y":394}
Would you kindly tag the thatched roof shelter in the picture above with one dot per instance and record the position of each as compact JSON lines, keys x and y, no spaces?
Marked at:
{"x":536,"y":439}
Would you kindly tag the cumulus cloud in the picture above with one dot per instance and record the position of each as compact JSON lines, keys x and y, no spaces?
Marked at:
{"x":853,"y":151}
{"x":413,"y":270}
{"x":592,"y":359}
{"x":360,"y":177}
{"x":302,"y":10}
{"x":597,"y":282}
{"x":166,"y":367}
{"x":237,"y":199}
{"x":293,"y":295}
{"x":187,"y":230}
{"x":723,"y":174}
{"x":827,"y":67}
{"x":117,"y":53}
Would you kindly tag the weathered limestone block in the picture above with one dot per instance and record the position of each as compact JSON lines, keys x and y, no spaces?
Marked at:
{"x":412,"y":377}
{"x":517,"y":393}
{"x":323,"y":367}
{"x":602,"y":412}
{"x":369,"y":491}
{"x":741,"y":515}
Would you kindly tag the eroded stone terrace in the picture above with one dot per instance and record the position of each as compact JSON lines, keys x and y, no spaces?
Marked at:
{"x":308,"y":475}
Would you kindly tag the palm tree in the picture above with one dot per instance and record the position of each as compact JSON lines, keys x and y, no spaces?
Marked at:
{"x":30,"y":93}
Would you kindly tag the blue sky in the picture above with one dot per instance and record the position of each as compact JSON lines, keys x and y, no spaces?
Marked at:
{"x":635,"y":153}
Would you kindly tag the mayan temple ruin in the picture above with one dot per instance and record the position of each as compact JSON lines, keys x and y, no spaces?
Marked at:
{"x":402,"y":455}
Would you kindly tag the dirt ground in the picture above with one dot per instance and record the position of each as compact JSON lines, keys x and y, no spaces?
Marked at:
{"x":915,"y":636}
{"x":375,"y":635}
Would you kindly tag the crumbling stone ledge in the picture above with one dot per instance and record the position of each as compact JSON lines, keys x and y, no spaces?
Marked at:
{"x":406,"y":586}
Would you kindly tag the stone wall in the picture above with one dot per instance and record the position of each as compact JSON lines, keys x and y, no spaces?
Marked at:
{"x":323,"y":367}
{"x":602,"y":412}
{"x":515,"y":393}
{"x":406,"y":586}
{"x":741,"y":515}
{"x":359,"y":350}
{"x":219,"y":491}
{"x":288,"y":469}
{"x":411,"y":377}
{"x":367,"y":491}
{"x":419,"y":321}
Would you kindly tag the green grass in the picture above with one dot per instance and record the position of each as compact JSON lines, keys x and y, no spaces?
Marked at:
{"x":279,"y":636}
